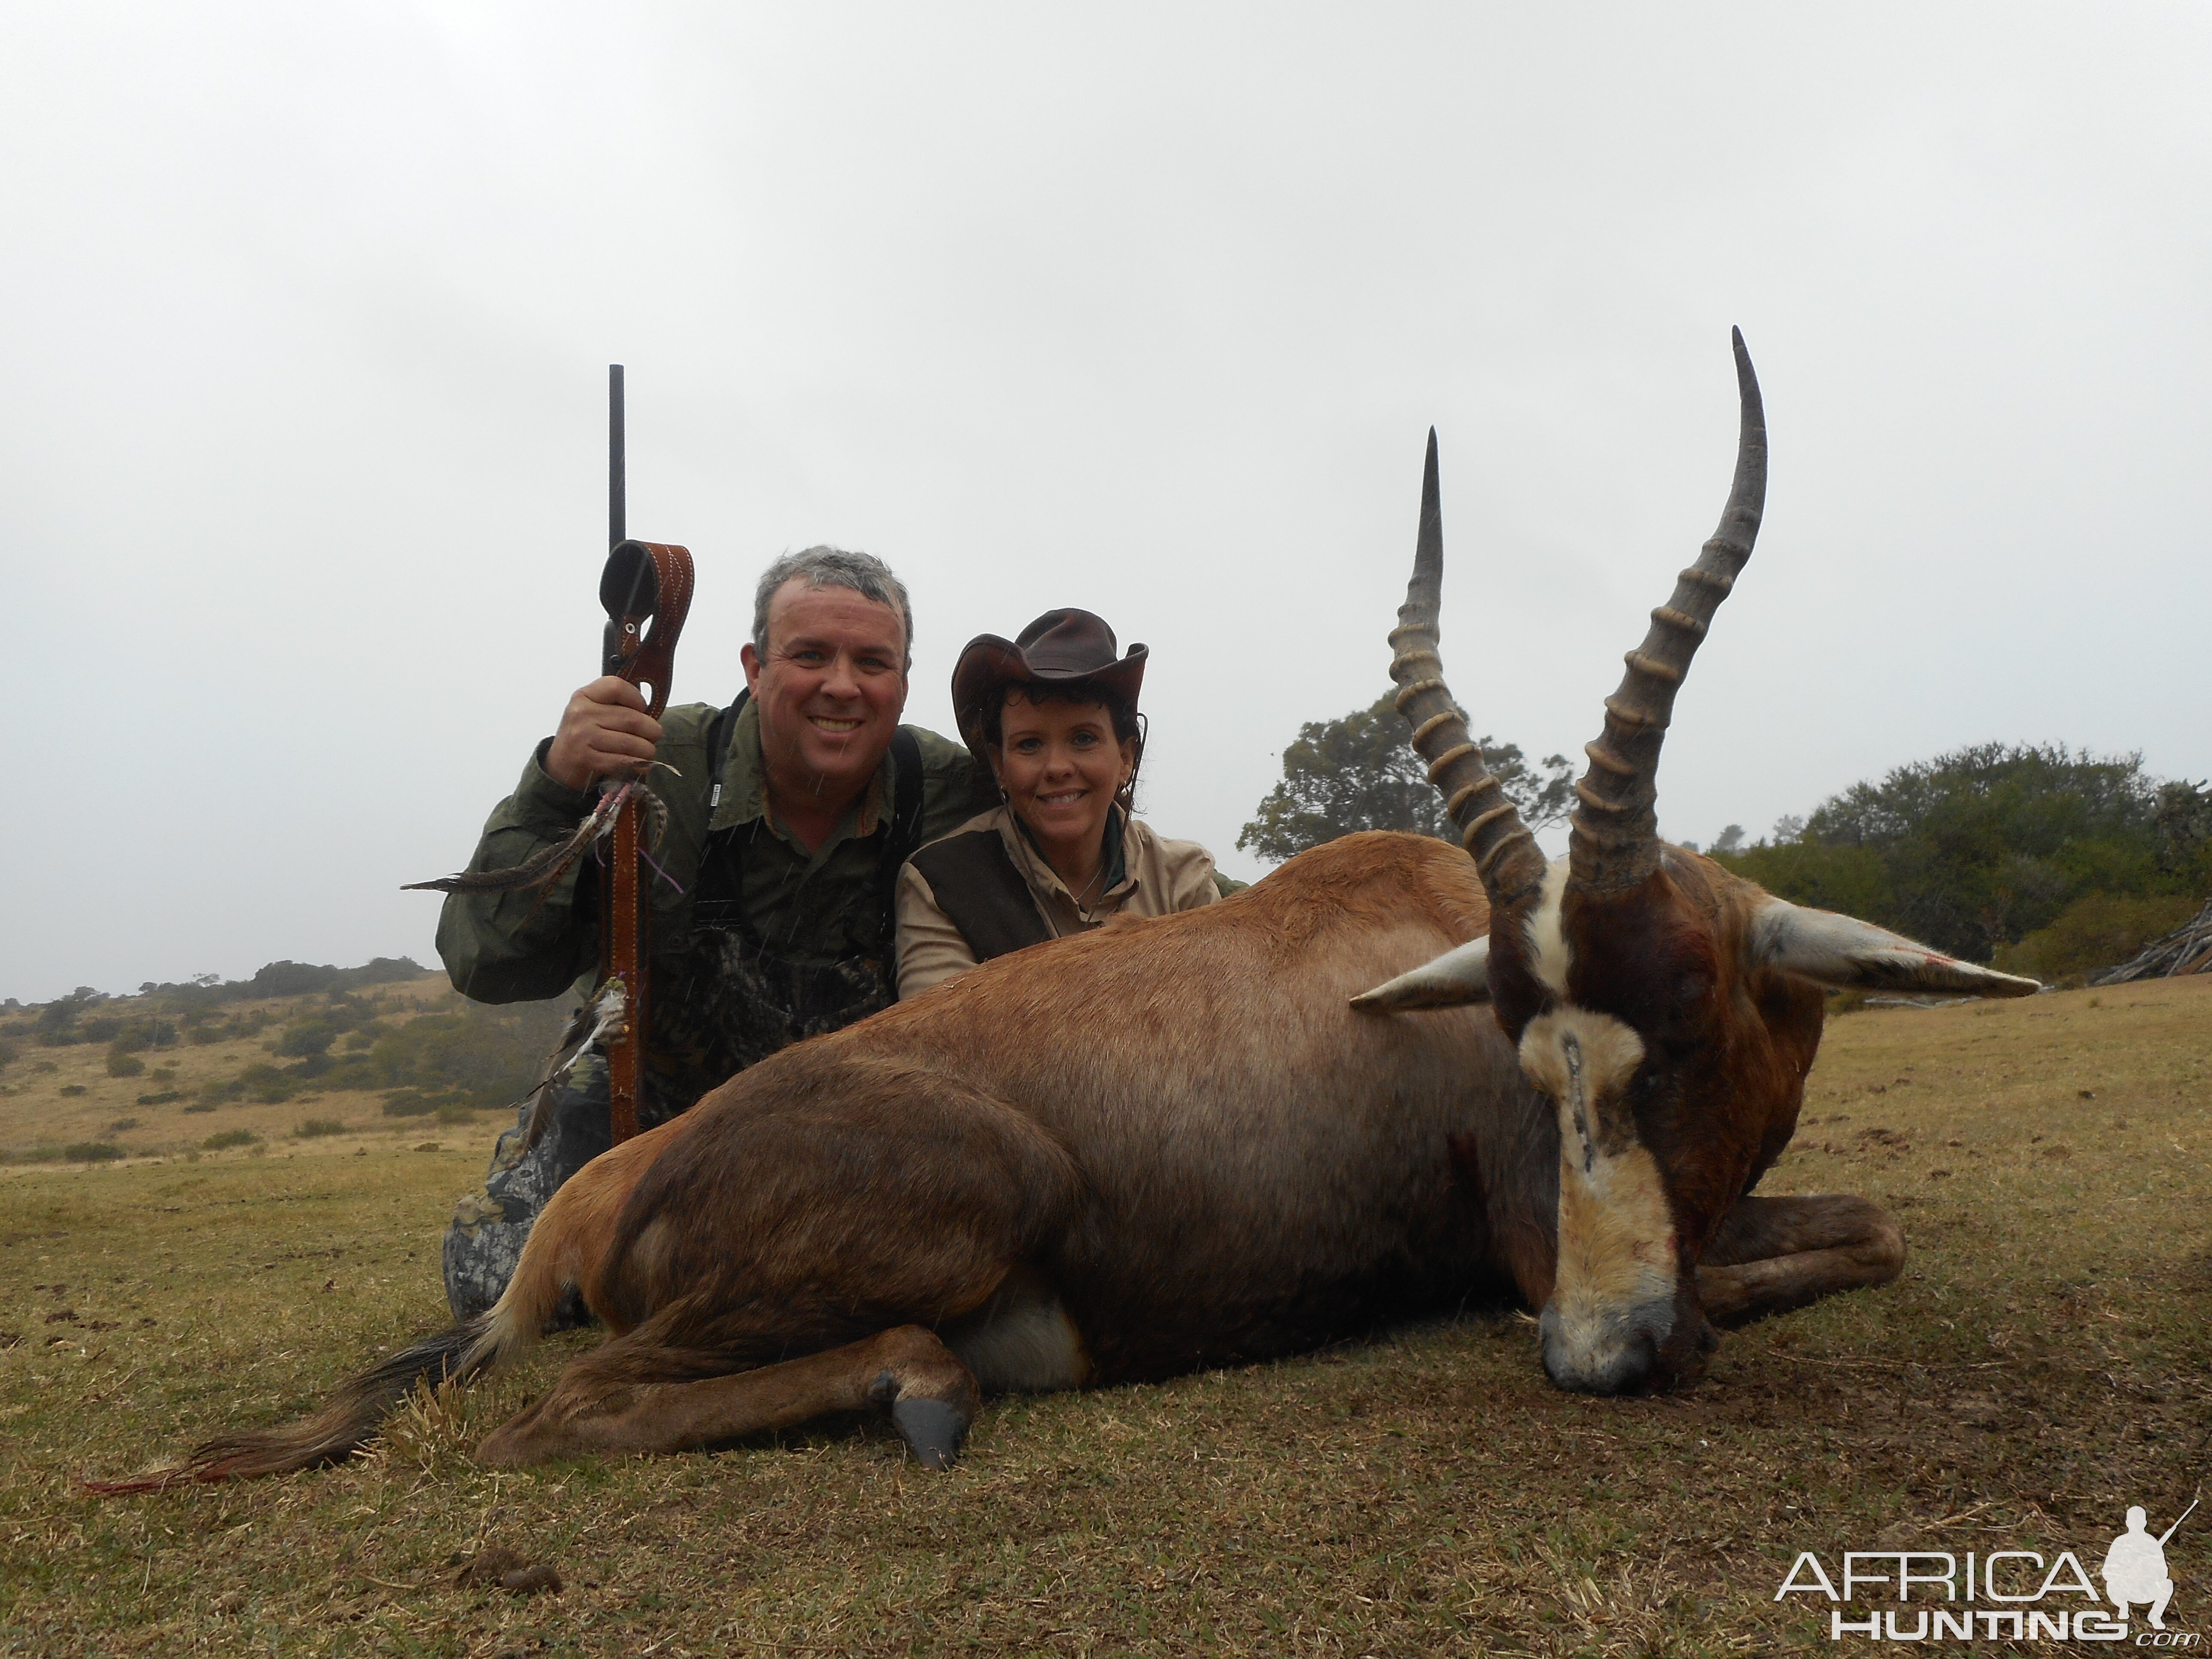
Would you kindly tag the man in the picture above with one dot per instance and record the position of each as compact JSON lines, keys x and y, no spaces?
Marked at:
{"x":789,"y":814}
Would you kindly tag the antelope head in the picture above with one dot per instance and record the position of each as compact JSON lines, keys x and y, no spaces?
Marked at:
{"x":1666,"y":1010}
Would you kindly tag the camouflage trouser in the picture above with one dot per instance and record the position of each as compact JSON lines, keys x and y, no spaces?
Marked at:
{"x":490,"y":1224}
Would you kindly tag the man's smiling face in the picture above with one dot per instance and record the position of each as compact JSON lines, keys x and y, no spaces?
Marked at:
{"x":831,"y":690}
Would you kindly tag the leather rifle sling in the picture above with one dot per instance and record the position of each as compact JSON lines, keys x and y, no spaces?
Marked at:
{"x":645,"y":582}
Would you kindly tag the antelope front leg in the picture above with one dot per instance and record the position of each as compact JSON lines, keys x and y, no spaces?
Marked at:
{"x":1772,"y":1254}
{"x":607,"y":1401}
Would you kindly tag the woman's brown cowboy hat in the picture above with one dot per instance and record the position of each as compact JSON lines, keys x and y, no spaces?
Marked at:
{"x":1060,"y":648}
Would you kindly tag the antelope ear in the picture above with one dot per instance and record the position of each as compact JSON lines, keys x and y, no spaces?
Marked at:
{"x":1453,"y":980}
{"x":1833,"y":949}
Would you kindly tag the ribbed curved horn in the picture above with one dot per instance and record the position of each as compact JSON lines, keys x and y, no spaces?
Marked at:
{"x":1614,"y":840}
{"x":1505,"y":852}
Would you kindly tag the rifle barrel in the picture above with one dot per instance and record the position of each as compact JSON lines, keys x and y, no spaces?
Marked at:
{"x":617,"y":482}
{"x":2176,"y":1526}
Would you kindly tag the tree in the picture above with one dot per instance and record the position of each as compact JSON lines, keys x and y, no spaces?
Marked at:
{"x":1361,"y":773}
{"x":2184,"y":817}
{"x":1975,"y":849}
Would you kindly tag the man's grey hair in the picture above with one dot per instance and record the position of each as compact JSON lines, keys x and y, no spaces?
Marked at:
{"x":833,"y":567}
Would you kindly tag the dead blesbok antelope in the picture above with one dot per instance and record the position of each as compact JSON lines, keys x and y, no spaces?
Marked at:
{"x":1203,"y":1140}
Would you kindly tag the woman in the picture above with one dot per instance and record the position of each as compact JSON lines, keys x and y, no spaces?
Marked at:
{"x":1054,"y":715}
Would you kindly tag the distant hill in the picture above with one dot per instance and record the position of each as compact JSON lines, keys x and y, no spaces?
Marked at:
{"x":299,"y":1052}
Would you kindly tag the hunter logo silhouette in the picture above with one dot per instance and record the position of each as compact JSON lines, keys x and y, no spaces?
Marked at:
{"x":2134,"y":1567}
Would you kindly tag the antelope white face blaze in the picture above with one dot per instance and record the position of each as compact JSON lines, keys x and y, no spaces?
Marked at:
{"x":1549,"y":956}
{"x":1612,"y":1300}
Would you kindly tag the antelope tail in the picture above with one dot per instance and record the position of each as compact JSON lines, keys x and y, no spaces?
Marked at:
{"x":470,"y":1350}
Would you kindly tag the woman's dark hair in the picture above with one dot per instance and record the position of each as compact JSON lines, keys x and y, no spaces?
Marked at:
{"x":1128,"y":724}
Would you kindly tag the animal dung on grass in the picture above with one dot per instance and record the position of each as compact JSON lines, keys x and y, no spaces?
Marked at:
{"x":495,"y":1567}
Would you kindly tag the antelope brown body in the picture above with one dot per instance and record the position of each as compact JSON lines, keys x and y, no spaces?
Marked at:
{"x":1201,"y":1139}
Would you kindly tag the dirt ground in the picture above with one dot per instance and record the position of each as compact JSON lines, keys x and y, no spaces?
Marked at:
{"x":2041,"y":1366}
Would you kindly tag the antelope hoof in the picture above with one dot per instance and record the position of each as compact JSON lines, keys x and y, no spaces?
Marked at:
{"x":504,"y":1449}
{"x":933,"y":1430}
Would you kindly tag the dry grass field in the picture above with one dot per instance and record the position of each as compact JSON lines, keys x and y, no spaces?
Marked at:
{"x":2041,"y":1366}
{"x":54,"y":1097}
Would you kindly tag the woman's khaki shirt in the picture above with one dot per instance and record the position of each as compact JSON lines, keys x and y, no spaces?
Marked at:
{"x":1160,"y":877}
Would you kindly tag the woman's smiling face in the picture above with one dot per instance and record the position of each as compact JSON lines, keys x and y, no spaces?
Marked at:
{"x":1061,"y":766}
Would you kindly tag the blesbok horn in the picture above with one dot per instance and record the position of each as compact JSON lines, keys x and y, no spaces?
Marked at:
{"x":1453,"y":980}
{"x":1613,"y":840}
{"x":1505,"y":854}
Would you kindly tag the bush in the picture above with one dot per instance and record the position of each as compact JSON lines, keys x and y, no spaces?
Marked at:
{"x":200,"y":1106}
{"x":91,"y":1152}
{"x":411,"y":1102}
{"x":488,"y":1057}
{"x":267,"y":1085}
{"x":163,"y":1097}
{"x":128,"y":1036}
{"x":57,"y":1025}
{"x":216,"y":1143}
{"x":291,"y":979}
{"x":303,"y":1038}
{"x":311,"y":1035}
{"x":122,"y":1124}
{"x":2101,"y":930}
{"x":124,"y":1064}
{"x":480,"y":1056}
{"x":72,"y":1088}
{"x":314,"y":1128}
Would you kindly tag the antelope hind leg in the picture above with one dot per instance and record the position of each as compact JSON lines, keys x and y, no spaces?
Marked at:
{"x":1773,"y":1254}
{"x":614,"y":1406}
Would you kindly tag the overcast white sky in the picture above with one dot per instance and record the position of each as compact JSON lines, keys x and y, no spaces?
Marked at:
{"x":306,"y":312}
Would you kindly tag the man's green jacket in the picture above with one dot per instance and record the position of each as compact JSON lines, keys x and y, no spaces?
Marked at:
{"x":820,"y":907}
